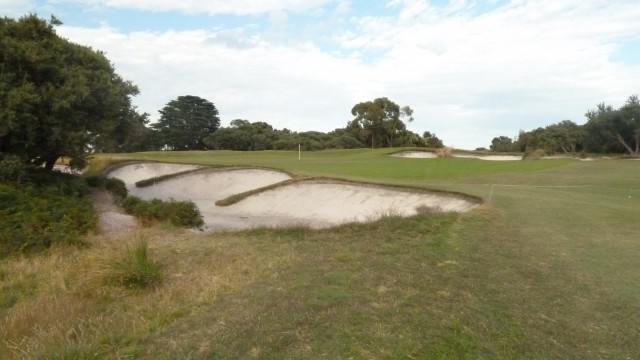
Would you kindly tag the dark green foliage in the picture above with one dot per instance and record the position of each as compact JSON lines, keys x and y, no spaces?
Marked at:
{"x":57,"y":98}
{"x":502,"y":144}
{"x":179,"y":213}
{"x":46,"y":209}
{"x":12,"y":168}
{"x":608,"y":130}
{"x":243,"y":135}
{"x":614,"y":130}
{"x":185,"y":121}
{"x":431,"y":140}
{"x":115,"y":186}
{"x":378,"y":123}
{"x":564,"y":137}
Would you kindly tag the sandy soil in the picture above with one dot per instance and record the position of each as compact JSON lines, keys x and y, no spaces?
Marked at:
{"x":111,"y":219}
{"x":316,"y":204}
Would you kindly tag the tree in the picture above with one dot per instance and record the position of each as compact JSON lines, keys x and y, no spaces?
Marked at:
{"x":431,"y":140}
{"x":186,"y":121}
{"x":629,"y":137}
{"x":56,"y":97}
{"x":502,"y":144}
{"x":565,"y":136}
{"x":243,"y":136}
{"x":131,"y":134}
{"x":378,"y":121}
{"x":614,"y":130}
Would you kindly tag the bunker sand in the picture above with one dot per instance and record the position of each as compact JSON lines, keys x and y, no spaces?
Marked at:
{"x":318,"y":203}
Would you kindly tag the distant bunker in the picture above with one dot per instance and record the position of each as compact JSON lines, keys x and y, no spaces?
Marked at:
{"x":243,"y":198}
{"x":431,"y":155}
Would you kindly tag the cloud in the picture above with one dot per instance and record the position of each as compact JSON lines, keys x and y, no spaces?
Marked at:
{"x":469,"y":74}
{"x":13,"y":8}
{"x":237,"y":7}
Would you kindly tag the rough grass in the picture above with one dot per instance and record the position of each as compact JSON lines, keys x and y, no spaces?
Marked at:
{"x":543,"y":272}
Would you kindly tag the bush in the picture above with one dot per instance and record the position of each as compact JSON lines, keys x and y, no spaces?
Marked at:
{"x":116,"y":186}
{"x":47,"y":209}
{"x":12,"y":169}
{"x":179,"y":213}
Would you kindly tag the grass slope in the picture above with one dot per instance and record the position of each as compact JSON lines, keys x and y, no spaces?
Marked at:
{"x":548,"y":269}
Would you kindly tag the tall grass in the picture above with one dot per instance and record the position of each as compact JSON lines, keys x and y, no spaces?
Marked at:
{"x":131,"y":269}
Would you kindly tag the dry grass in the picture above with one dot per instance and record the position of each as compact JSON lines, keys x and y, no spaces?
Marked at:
{"x":444,"y":152}
{"x":489,"y":284}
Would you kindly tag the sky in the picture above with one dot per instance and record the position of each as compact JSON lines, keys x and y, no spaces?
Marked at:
{"x":470,"y":70}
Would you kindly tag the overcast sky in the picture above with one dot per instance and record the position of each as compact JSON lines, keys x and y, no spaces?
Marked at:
{"x":470,"y":70}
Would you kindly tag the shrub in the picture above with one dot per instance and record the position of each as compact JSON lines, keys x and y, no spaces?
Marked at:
{"x":116,"y":186}
{"x":179,"y":213}
{"x":47,"y":209}
{"x":12,"y":169}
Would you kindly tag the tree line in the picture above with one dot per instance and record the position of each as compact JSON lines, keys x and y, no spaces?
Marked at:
{"x":61,"y":99}
{"x":192,"y":123}
{"x":607,"y":130}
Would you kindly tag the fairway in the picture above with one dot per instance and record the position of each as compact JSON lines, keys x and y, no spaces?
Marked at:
{"x":546,"y":268}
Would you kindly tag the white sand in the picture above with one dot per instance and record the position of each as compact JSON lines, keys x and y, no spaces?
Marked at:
{"x":429,"y":155}
{"x":325,"y":203}
{"x":315,"y":204}
{"x":416,"y":155}
{"x":132,"y":173}
{"x":490,"y":157}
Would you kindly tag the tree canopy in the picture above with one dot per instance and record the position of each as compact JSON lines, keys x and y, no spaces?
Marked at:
{"x":607,"y":130}
{"x":57,"y":98}
{"x":615,"y":130}
{"x":185,"y":122}
{"x":378,"y":123}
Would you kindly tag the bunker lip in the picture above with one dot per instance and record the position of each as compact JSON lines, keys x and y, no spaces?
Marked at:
{"x":273,"y":198}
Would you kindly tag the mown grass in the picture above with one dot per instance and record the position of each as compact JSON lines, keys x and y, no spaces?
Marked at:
{"x":539,"y":273}
{"x":360,"y":164}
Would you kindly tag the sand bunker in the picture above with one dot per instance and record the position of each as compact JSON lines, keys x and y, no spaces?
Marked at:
{"x":416,"y":155}
{"x":313,"y":203}
{"x":429,"y":155}
{"x":490,"y":157}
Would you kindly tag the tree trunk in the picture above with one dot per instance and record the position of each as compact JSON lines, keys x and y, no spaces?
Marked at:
{"x":626,"y":146}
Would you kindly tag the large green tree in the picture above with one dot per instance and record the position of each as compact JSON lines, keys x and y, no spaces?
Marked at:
{"x":377,"y":123}
{"x":614,"y":130}
{"x":502,"y":144}
{"x":57,"y":98}
{"x":242,"y":135}
{"x":186,"y":121}
{"x":563,"y":137}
